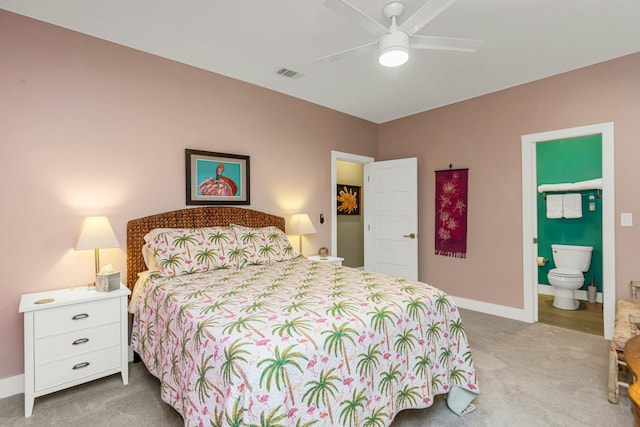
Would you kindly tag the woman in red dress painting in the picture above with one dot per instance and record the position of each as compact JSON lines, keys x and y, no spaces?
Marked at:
{"x":218,"y":186}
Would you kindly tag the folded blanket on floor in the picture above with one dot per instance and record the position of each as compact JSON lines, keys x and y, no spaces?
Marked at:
{"x":459,"y":400}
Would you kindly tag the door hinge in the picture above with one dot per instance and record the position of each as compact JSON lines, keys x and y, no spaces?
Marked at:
{"x":535,"y":240}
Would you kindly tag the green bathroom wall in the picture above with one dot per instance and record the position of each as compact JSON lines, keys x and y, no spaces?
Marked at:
{"x":570,"y":160}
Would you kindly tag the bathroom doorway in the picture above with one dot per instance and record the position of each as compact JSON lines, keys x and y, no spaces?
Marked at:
{"x":530,"y":219}
{"x":567,"y":161}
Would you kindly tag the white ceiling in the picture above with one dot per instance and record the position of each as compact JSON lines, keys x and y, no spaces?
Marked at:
{"x":249,"y":40}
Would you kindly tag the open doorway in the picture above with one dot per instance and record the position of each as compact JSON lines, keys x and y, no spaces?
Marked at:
{"x":347,"y":239}
{"x":350,"y":213}
{"x":569,"y":161}
{"x":390,"y":192}
{"x":530,"y":221}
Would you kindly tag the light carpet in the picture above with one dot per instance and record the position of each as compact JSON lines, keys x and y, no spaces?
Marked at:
{"x":529,"y":375}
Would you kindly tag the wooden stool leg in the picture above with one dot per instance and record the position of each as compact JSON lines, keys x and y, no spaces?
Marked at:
{"x":613,"y":376}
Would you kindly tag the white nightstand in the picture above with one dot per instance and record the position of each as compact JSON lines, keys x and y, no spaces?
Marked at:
{"x":79,"y":336}
{"x":328,"y":259}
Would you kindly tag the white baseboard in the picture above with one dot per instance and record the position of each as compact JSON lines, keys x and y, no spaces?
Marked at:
{"x":15,"y":385}
{"x":11,"y":386}
{"x":510,"y":312}
{"x":488,"y":308}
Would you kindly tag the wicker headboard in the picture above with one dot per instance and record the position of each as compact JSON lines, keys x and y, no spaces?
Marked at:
{"x":210,"y":216}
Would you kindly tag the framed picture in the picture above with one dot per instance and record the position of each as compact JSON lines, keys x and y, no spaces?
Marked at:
{"x":217,"y":178}
{"x":348,"y":199}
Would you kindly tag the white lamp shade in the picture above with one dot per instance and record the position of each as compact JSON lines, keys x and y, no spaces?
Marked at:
{"x":394,"y":49}
{"x":301,"y":224}
{"x":96,"y":233}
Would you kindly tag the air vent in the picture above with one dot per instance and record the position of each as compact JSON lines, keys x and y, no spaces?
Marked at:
{"x":290,"y":74}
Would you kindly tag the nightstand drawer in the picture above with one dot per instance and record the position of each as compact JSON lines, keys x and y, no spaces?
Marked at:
{"x":72,"y":343}
{"x":77,"y":367}
{"x":77,"y":316}
{"x":334,"y":260}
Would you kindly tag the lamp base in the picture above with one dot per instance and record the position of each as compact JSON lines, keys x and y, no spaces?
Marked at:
{"x":300,"y":243}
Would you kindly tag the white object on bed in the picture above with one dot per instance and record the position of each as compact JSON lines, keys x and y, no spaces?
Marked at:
{"x":591,"y":184}
{"x":137,"y":290}
{"x":153,"y":234}
{"x":554,"y":206}
{"x":572,"y":205}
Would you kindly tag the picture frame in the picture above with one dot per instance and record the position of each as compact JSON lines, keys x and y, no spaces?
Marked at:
{"x":348,"y":199}
{"x":216,"y":178}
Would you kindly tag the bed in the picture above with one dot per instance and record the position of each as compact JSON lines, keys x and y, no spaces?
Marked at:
{"x":262,"y":336}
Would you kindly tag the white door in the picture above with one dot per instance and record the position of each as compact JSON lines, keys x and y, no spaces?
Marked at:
{"x":391,"y":217}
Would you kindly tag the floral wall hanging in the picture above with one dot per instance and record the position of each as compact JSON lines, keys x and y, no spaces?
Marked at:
{"x":451,"y":212}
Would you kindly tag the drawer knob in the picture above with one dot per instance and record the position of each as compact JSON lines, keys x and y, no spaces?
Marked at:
{"x":80,"y":316}
{"x":80,"y":341}
{"x":81,"y":365}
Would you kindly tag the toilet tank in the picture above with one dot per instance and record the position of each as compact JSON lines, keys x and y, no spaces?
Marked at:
{"x":568,"y":256}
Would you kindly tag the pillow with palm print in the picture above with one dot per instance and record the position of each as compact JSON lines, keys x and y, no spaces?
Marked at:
{"x":191,"y":250}
{"x":261,"y":245}
{"x":147,"y":254}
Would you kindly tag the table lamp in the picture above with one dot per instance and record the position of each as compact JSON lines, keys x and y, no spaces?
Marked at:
{"x":300,"y":224}
{"x":96,"y":233}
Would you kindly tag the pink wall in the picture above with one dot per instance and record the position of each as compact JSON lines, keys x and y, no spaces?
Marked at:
{"x":483,"y":134}
{"x":88,"y":127}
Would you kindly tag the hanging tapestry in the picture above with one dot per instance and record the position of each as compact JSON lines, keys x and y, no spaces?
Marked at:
{"x":451,"y":212}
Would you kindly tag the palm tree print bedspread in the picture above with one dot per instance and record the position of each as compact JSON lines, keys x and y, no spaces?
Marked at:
{"x":299,"y":343}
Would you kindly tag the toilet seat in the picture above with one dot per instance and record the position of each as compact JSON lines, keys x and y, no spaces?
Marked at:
{"x":566,"y":273}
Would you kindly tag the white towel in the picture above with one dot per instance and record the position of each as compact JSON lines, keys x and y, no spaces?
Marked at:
{"x":572,"y":205}
{"x":591,"y":184}
{"x":542,"y":188}
{"x":554,"y":206}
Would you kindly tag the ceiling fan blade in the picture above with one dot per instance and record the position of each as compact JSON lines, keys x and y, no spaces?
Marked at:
{"x":445,"y":43}
{"x":349,"y":52}
{"x":354,"y":14}
{"x":424,"y":15}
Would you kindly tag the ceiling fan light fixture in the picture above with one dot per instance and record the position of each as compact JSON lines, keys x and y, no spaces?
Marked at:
{"x":394,"y":49}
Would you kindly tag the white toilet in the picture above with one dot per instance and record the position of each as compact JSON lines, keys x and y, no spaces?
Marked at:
{"x":567,"y":277}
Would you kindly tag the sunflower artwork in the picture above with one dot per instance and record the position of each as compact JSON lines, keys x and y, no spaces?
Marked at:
{"x":348,"y":199}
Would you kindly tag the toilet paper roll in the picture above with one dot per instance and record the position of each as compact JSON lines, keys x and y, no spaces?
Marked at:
{"x":542,"y":261}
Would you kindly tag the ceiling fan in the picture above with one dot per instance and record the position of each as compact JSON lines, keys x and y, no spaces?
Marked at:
{"x":394,"y":41}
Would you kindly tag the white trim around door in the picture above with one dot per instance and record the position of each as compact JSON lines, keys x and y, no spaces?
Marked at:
{"x":530,"y":221}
